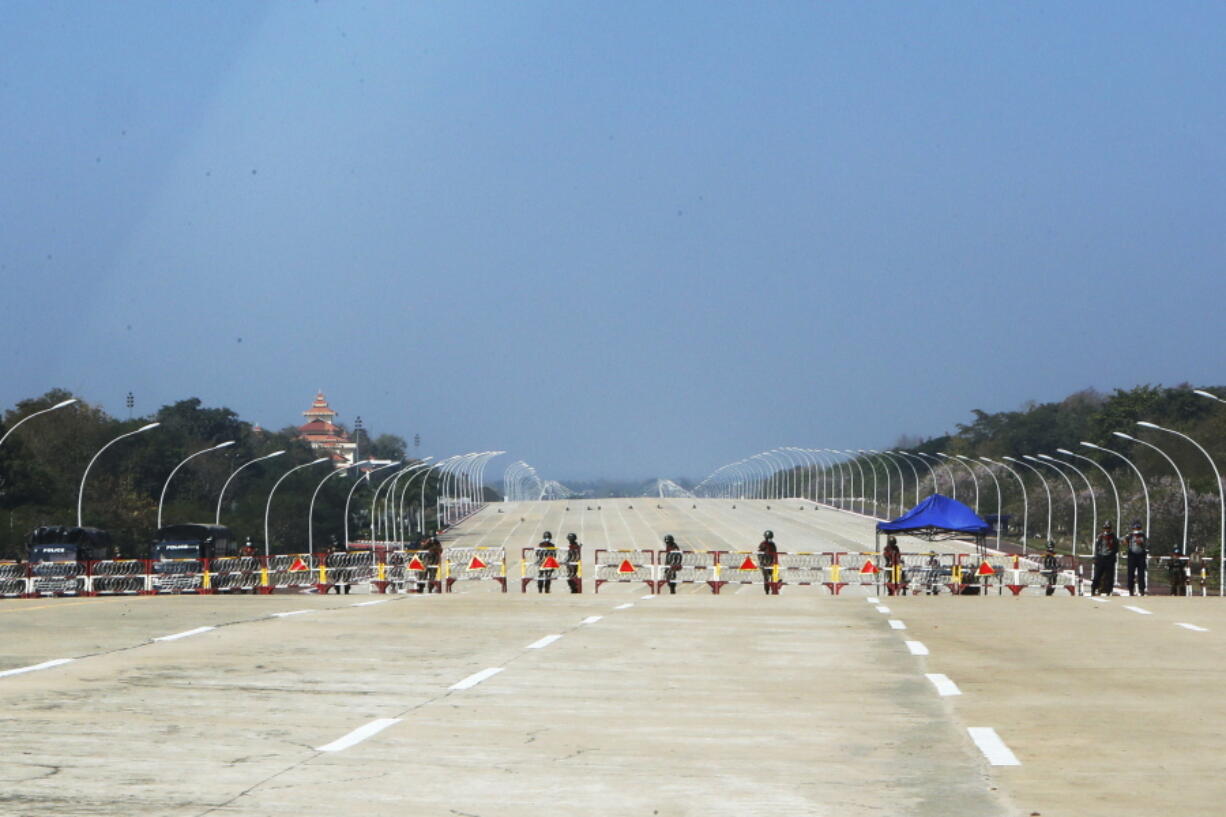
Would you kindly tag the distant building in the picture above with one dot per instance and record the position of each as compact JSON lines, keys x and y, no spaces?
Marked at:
{"x":325,"y":436}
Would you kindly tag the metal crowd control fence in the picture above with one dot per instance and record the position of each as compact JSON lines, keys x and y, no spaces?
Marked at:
{"x":634,"y":565}
{"x":562,"y":568}
{"x":694,"y":567}
{"x":742,"y":567}
{"x":475,"y":564}
{"x":115,"y":577}
{"x":804,"y":569}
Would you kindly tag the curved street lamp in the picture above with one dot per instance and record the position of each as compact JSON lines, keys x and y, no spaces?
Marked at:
{"x":1183,"y":486}
{"x":1025,"y":501}
{"x":1072,"y":493}
{"x":968,"y":462}
{"x":1136,"y":470}
{"x":34,"y":414}
{"x":1046,"y":489}
{"x":233,"y":474}
{"x":311,"y":507}
{"x":969,"y":470}
{"x":173,"y":471}
{"x":1089,"y":487}
{"x":81,"y":491}
{"x":953,"y":485}
{"x":268,"y":504}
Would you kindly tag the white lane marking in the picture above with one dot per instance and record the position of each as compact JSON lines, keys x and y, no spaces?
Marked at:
{"x":881,"y":608}
{"x":290,"y":613}
{"x":35,"y":667}
{"x":369,"y":603}
{"x":646,"y":598}
{"x":591,"y":619}
{"x":917,"y":647}
{"x":184,"y":634}
{"x":993,"y":748}
{"x":544,"y":642}
{"x":873,"y":600}
{"x":1191,"y":627}
{"x":943,"y":684}
{"x":358,"y":735}
{"x":476,"y":678}
{"x":895,"y":624}
{"x":623,"y":606}
{"x":1137,"y":610}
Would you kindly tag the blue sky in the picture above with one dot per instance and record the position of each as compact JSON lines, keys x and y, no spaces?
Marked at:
{"x":625,"y":240}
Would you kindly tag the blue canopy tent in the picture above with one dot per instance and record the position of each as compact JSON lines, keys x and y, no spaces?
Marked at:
{"x":938,"y":517}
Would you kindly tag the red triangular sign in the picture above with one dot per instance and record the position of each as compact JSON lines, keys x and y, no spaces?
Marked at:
{"x":416,"y":564}
{"x":550,"y":563}
{"x":625,"y":567}
{"x":748,"y":564}
{"x":476,"y":564}
{"x":298,"y":565}
{"x":985,"y":569}
{"x":869,"y":567}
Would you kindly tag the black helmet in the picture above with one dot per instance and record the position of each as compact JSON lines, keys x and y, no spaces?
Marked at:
{"x":1051,"y":546}
{"x":1107,"y":525}
{"x":572,"y":537}
{"x":768,"y":534}
{"x":668,"y":539}
{"x":1136,"y":523}
{"x":547,"y":536}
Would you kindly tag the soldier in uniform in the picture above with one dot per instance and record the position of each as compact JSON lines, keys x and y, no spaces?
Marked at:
{"x":434,"y":557}
{"x":1138,"y":554}
{"x":574,"y":555}
{"x":891,"y":556}
{"x":672,"y":562}
{"x":768,"y":557}
{"x":544,"y":550}
{"x":1051,"y":567}
{"x":1106,"y":546}
{"x":1178,"y":567}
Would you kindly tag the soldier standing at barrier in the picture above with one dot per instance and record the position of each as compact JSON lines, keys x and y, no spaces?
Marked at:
{"x":1051,"y":567}
{"x":1106,"y":546}
{"x":574,"y":556}
{"x":545,"y":550}
{"x":672,"y":562}
{"x":434,"y":557}
{"x":340,"y":575}
{"x":1138,"y":553}
{"x":768,"y":557}
{"x":891,"y":556}
{"x":1178,"y":567}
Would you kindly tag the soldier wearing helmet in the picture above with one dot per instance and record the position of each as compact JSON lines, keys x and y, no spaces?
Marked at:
{"x":574,"y":556}
{"x":672,"y":562}
{"x":1051,"y":567}
{"x":768,"y":557}
{"x":1106,"y":546}
{"x":545,"y":550}
{"x":1138,"y":554}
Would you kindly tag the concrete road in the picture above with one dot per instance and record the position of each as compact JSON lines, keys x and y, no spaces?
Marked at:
{"x":480,"y":703}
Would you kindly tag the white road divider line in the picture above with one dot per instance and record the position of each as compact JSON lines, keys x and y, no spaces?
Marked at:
{"x":873,"y":600}
{"x":591,"y":619}
{"x":184,"y":634}
{"x":943,"y":684}
{"x":917,"y":647}
{"x":358,"y":735}
{"x":646,"y":598}
{"x":1137,"y":610}
{"x":290,"y":613}
{"x":1191,"y":627}
{"x":895,"y":624}
{"x":369,"y":603}
{"x":881,"y":608}
{"x":993,"y":748}
{"x":544,"y":642}
{"x":623,"y":606}
{"x":35,"y":667}
{"x":476,"y":678}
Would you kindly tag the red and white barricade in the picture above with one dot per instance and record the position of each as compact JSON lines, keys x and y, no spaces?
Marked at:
{"x":14,"y":579}
{"x":634,"y":565}
{"x":743,"y":567}
{"x":290,"y":571}
{"x":235,"y":574}
{"x":57,"y":579}
{"x":804,"y":569}
{"x":859,"y":571}
{"x":468,"y":564}
{"x":554,"y":567}
{"x":118,"y":577}
{"x":346,"y":568}
{"x":696,"y":567}
{"x":178,"y":576}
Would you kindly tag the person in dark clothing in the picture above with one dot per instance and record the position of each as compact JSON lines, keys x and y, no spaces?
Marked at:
{"x":768,"y":558}
{"x":1138,"y":554}
{"x":1106,"y":546}
{"x":574,"y":555}
{"x":672,"y":562}
{"x":434,"y":557}
{"x":1178,"y":567}
{"x":891,"y":557}
{"x":545,"y":550}
{"x":1051,"y":567}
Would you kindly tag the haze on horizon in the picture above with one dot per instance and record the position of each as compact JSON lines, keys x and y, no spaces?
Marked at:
{"x":615,"y":241}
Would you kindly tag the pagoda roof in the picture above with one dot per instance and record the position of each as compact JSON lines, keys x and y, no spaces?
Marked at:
{"x":320,"y":407}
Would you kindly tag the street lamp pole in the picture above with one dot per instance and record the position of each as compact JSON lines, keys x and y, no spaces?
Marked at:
{"x":1046,"y":489}
{"x":1136,"y":470}
{"x":1089,"y":487}
{"x":173,"y":471}
{"x":81,"y":491}
{"x":1072,"y":493}
{"x":311,"y":506}
{"x":1025,"y":500}
{"x":32,"y":415}
{"x":968,"y":460}
{"x":268,"y":504}
{"x":953,"y":485}
{"x":1183,"y":486}
{"x":221,"y":496}
{"x":969,"y":470}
